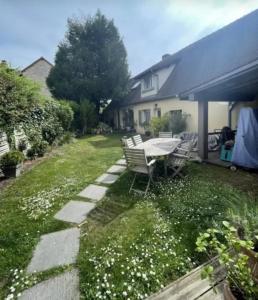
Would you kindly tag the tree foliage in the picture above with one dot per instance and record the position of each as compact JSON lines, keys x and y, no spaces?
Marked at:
{"x":18,"y":97}
{"x":91,"y":63}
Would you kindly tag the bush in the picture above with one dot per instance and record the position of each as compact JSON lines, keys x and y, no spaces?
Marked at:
{"x":40,"y":148}
{"x":66,"y":138}
{"x":37,"y":149}
{"x":103,"y":128}
{"x":22,"y":145}
{"x":11,"y":159}
{"x":177,"y":123}
{"x":18,"y":97}
{"x":65,"y":114}
{"x":158,"y":124}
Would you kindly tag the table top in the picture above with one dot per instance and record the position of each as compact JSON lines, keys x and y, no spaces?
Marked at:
{"x":159,"y":146}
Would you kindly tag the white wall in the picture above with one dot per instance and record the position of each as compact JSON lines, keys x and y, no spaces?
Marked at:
{"x":158,"y":79}
{"x":218,"y":113}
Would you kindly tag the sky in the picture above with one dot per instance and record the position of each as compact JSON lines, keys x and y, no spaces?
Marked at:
{"x":30,"y":29}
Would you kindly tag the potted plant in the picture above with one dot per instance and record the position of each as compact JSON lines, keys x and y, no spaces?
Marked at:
{"x":225,"y":243}
{"x":247,"y":229}
{"x":11,"y":163}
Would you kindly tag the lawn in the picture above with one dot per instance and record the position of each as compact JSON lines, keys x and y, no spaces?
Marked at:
{"x":130,"y":246}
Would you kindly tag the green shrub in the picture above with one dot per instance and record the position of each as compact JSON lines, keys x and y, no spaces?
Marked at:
{"x":158,"y":124}
{"x":65,"y":114}
{"x":11,"y":159}
{"x":18,"y":97}
{"x":40,"y":148}
{"x":22,"y":145}
{"x":31,"y":153}
{"x":177,"y":122}
{"x":66,"y":138}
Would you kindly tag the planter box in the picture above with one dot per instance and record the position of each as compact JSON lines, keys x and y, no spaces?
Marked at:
{"x":13,"y":171}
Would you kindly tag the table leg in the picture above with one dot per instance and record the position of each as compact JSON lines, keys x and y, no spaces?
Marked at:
{"x":165,"y":167}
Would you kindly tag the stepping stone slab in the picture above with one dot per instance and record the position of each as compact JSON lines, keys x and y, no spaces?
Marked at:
{"x":121,"y":162}
{"x":116,"y":169}
{"x":55,"y":249}
{"x":94,"y":192}
{"x":107,"y":178}
{"x":64,"y":286}
{"x":74,"y":211}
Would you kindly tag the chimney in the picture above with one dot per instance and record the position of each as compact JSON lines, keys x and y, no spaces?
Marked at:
{"x":165,"y":56}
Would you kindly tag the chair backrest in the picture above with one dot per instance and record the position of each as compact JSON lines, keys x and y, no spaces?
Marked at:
{"x":135,"y":157}
{"x":186,"y":148}
{"x":137,"y":139}
{"x":129,"y":143}
{"x":165,"y":134}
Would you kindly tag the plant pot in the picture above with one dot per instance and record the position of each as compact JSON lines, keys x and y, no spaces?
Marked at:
{"x":12,"y":171}
{"x":227,"y":293}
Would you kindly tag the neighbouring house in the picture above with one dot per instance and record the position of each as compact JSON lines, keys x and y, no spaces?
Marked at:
{"x":171,"y":86}
{"x":38,"y":71}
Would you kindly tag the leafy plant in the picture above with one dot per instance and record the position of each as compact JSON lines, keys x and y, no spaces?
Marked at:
{"x":158,"y":124}
{"x":40,"y":148}
{"x":228,"y":247}
{"x":177,"y":122}
{"x":11,"y":159}
{"x":22,"y":145}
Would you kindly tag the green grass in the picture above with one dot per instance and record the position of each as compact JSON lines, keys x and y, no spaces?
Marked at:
{"x":121,"y":223}
{"x":58,"y":180}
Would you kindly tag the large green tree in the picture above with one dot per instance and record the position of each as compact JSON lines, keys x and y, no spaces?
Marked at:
{"x":91,"y":63}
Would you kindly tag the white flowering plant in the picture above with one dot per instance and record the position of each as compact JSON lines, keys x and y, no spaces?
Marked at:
{"x":134,"y":260}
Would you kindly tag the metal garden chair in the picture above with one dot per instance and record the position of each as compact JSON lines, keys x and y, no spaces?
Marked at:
{"x":163,"y":134}
{"x":177,"y":160}
{"x":137,"y":163}
{"x":137,"y":139}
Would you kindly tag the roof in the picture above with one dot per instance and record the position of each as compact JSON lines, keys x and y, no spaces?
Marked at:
{"x":36,"y":61}
{"x":220,"y":53}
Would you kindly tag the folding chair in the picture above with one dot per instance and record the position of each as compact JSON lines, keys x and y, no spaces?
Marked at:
{"x":129,"y":143}
{"x":165,"y":134}
{"x":137,"y":139}
{"x":137,"y":163}
{"x":177,"y":160}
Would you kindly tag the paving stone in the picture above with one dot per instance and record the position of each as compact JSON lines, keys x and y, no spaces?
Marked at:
{"x":121,"y":162}
{"x":64,"y":286}
{"x":116,"y":169}
{"x":74,"y":211}
{"x":55,"y":249}
{"x":94,"y":192}
{"x":107,"y":178}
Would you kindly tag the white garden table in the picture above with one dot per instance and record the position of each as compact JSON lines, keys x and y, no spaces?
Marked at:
{"x":159,"y":147}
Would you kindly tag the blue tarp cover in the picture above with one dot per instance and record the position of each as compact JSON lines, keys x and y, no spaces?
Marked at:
{"x":245,"y":151}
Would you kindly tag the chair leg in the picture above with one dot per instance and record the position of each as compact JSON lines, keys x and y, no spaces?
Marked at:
{"x":177,"y":172}
{"x":147,"y":188}
{"x":132,"y":183}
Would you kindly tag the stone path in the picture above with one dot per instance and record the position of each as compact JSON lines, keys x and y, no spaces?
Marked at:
{"x":61,"y":247}
{"x":61,"y":287}
{"x":107,"y":178}
{"x":116,"y":169}
{"x":55,"y":249}
{"x":74,"y":211}
{"x":94,"y":192}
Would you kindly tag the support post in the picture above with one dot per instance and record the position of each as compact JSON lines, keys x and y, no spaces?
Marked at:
{"x":203,"y":129}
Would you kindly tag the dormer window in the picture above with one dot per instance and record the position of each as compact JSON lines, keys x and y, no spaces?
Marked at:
{"x":147,"y":82}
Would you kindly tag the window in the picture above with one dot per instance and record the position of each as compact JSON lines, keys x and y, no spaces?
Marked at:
{"x":175,"y":113}
{"x":147,"y":82}
{"x":157,"y":112}
{"x":144,"y":117}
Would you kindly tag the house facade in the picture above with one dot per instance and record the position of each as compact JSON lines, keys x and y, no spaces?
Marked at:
{"x":38,"y":71}
{"x":161,"y":89}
